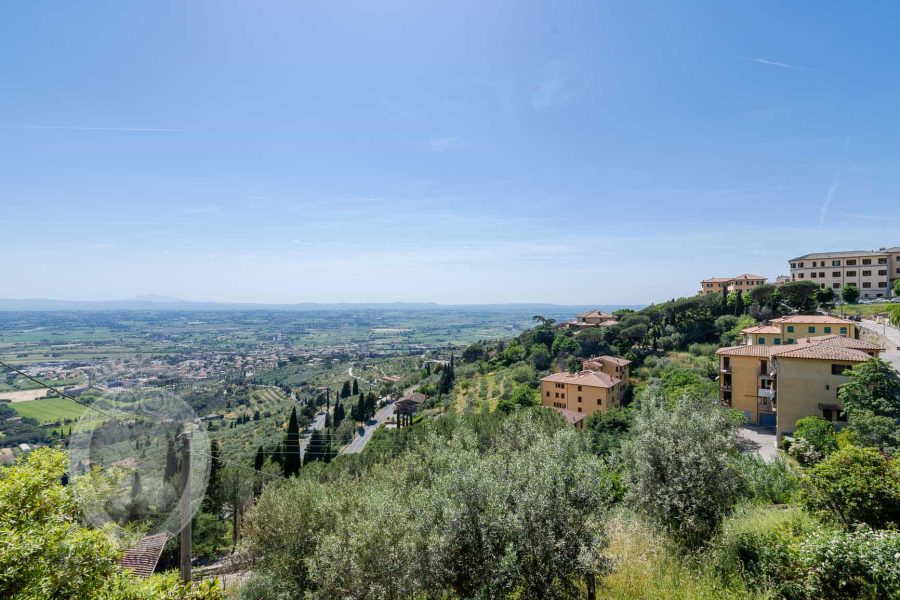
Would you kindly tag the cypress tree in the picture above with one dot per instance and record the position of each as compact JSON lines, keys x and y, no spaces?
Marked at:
{"x":345,"y":390}
{"x":292,"y":447}
{"x":739,"y":304}
{"x":355,"y":387}
{"x":212,"y":488}
{"x":258,"y":462}
{"x":171,"y":461}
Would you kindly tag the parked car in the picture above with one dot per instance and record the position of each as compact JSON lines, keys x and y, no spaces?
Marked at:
{"x":880,"y":301}
{"x":895,"y":299}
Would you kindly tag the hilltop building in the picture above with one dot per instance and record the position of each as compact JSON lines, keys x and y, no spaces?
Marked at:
{"x":599,"y":386}
{"x":775,"y":385}
{"x":743,"y":283}
{"x":592,"y":319}
{"x":872,"y":271}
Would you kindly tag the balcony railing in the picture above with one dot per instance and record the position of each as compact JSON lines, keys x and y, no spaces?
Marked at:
{"x":765,"y":393}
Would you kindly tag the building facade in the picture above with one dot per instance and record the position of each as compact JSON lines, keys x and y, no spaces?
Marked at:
{"x":872,"y":271}
{"x":743,"y":283}
{"x":599,"y":386}
{"x":774,"y":385}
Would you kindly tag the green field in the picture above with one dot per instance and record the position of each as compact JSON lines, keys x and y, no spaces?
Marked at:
{"x":49,"y":410}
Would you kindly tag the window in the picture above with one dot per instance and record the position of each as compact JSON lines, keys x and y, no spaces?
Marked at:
{"x":811,"y":329}
{"x":867,"y":284}
{"x":799,"y":275}
{"x":801,"y":265}
{"x":579,"y":398}
{"x":822,"y":274}
{"x":851,"y":273}
{"x":777,"y":341}
{"x":882,"y":271}
{"x":813,"y":275}
{"x":882,"y":261}
{"x":835,"y":263}
{"x":791,"y":340}
{"x":843,"y":331}
{"x":836,"y":286}
{"x":836,"y":274}
{"x":761,"y":340}
{"x":579,"y":388}
{"x":548,"y":394}
{"x":827,"y":329}
{"x":838,"y":369}
{"x":814,"y":263}
{"x":867,"y":273}
{"x":794,"y":265}
{"x":790,"y":328}
{"x":882,"y":284}
{"x":851,"y":262}
{"x":867,"y":261}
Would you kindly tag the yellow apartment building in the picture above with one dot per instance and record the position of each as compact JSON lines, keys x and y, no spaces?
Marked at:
{"x":764,"y":335}
{"x":620,"y":368}
{"x":587,"y":391}
{"x":744,"y":283}
{"x":795,"y":327}
{"x":872,"y":271}
{"x":774,"y":386}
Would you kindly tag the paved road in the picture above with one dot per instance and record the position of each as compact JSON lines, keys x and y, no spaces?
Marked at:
{"x":359,"y":441}
{"x":892,"y":353}
{"x":760,"y":440}
{"x":350,"y":373}
{"x":318,"y":424}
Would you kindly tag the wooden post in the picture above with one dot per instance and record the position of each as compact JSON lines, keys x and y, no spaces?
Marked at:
{"x":186,"y":507}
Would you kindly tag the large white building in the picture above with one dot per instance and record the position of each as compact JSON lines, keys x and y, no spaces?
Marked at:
{"x":872,"y":271}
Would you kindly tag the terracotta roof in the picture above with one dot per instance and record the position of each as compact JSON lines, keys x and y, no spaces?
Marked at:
{"x":826,"y":319}
{"x":415,"y":397}
{"x":749,"y":276}
{"x":595,"y":313}
{"x":570,"y":416}
{"x":592,"y":378}
{"x":758,"y":350}
{"x":613,"y":359}
{"x":142,"y":559}
{"x":840,"y":340}
{"x":819,"y":352}
{"x":762,"y":329}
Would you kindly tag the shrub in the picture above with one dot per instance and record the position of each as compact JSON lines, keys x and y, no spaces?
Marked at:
{"x":874,"y":431}
{"x":818,"y":432}
{"x":856,"y":564}
{"x":679,"y":468}
{"x":767,"y":482}
{"x":804,"y":452}
{"x":855,"y":485}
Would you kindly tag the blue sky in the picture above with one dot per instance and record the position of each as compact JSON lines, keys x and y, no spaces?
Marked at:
{"x":454,"y":152}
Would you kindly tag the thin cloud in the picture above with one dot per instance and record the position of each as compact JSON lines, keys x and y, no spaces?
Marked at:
{"x":390,"y":105}
{"x":73,"y":128}
{"x":780,"y":65}
{"x":446,"y":143}
{"x":555,"y":88}
{"x":823,"y":212}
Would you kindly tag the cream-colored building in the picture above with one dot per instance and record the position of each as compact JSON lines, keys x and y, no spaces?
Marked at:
{"x":743,"y":283}
{"x":872,"y":271}
{"x":775,"y":385}
{"x":599,"y":386}
{"x":592,"y":319}
{"x":787,"y":330}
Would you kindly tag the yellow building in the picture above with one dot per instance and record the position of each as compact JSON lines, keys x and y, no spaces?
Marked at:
{"x":743,"y":283}
{"x":774,"y":386}
{"x":764,"y":335}
{"x":598,"y":387}
{"x":799,"y":326}
{"x":592,"y":319}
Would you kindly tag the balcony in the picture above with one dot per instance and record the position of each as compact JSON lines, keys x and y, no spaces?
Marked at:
{"x":726,"y":387}
{"x":765,"y":393}
{"x":725,"y":369}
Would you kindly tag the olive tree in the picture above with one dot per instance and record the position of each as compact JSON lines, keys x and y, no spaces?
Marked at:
{"x":678,"y":465}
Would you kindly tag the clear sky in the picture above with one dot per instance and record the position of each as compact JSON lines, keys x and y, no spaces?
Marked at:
{"x":454,"y":152}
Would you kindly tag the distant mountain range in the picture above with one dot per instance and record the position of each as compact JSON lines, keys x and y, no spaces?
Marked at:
{"x":153,"y":302}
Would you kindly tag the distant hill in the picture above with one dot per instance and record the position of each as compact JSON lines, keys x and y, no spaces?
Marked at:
{"x":154,"y":302}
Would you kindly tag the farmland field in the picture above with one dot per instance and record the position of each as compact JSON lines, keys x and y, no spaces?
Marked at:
{"x":49,"y":410}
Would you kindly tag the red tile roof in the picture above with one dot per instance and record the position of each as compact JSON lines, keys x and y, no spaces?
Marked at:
{"x":142,"y":559}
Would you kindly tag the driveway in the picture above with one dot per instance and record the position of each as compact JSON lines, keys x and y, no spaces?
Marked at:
{"x":760,"y":440}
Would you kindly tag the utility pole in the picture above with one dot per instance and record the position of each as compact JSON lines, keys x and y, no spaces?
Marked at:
{"x":186,"y":507}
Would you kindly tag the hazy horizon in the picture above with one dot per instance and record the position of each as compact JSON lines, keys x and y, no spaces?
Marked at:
{"x":465,"y":153}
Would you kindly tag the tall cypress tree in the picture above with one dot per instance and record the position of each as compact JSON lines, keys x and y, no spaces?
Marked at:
{"x":213,"y":492}
{"x":739,"y":304}
{"x":258,"y":461}
{"x":291,"y":464}
{"x":355,"y":387}
{"x":345,"y":390}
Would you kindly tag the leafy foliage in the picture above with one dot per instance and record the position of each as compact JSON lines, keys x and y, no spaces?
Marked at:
{"x":874,"y":387}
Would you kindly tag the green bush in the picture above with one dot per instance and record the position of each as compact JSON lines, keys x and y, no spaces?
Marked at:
{"x":818,"y":432}
{"x":855,"y":564}
{"x":855,"y":485}
{"x":772,"y":483}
